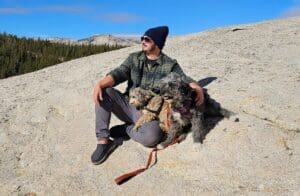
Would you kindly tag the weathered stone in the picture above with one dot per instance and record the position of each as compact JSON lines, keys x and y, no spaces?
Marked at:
{"x":48,"y":135}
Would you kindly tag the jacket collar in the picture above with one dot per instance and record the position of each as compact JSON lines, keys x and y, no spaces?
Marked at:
{"x":159,"y":61}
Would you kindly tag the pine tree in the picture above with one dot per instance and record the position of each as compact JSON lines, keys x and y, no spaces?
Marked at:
{"x":23,"y":55}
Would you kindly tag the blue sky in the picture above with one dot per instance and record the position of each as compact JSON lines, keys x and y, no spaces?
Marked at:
{"x":82,"y":18}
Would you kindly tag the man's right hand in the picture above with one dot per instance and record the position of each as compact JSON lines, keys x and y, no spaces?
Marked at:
{"x":107,"y":81}
{"x":97,"y":95}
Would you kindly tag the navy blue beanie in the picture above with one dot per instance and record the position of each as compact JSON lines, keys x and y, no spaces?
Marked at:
{"x":158,"y":35}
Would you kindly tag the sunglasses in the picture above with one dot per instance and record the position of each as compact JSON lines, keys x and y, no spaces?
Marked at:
{"x":147,"y":39}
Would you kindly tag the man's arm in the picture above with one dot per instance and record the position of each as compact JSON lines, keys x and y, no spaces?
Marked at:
{"x":192,"y":83}
{"x":114,"y":77}
{"x":107,"y":81}
{"x":177,"y":69}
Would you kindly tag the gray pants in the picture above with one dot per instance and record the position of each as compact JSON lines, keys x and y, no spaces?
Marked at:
{"x":149,"y":134}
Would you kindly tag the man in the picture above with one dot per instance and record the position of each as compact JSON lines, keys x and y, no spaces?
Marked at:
{"x":141,"y":69}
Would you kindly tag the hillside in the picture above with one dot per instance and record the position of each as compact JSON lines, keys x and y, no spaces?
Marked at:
{"x":24,"y":55}
{"x":108,"y":39}
{"x":47,"y":122}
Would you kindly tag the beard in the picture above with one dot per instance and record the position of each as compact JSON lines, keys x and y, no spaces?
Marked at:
{"x":149,"y":49}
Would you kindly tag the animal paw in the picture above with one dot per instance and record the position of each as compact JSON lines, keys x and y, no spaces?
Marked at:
{"x":181,"y":137}
{"x":136,"y":126}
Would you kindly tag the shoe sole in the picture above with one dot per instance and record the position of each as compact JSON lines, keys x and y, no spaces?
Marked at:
{"x":107,"y":155}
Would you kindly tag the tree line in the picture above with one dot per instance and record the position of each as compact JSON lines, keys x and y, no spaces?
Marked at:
{"x":23,"y":55}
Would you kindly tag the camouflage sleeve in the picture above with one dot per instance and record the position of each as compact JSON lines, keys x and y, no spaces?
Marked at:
{"x":177,"y":69}
{"x":121,"y":73}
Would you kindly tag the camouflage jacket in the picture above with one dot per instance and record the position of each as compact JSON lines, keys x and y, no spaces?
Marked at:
{"x":135,"y":71}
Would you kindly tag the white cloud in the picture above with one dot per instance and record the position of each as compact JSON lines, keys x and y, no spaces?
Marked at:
{"x":25,"y":10}
{"x":70,"y":9}
{"x":120,"y":17}
{"x":15,"y":10}
{"x":294,"y":11}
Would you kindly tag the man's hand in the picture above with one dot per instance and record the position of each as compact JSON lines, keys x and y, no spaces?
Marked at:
{"x":97,"y":95}
{"x":199,"y":93}
{"x":107,"y":81}
{"x":199,"y":97}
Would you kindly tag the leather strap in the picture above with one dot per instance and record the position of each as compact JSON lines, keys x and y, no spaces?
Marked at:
{"x":158,"y":110}
{"x":125,"y":177}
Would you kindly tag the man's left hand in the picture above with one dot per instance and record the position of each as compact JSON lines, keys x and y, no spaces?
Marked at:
{"x":199,"y":93}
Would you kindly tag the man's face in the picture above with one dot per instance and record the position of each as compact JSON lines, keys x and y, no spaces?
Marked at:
{"x":147,"y":44}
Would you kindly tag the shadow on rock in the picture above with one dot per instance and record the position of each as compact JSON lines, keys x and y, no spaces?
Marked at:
{"x":118,"y":133}
{"x":213,"y":112}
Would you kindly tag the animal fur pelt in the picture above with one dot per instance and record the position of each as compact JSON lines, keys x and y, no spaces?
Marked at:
{"x":153,"y":107}
{"x":184,"y":115}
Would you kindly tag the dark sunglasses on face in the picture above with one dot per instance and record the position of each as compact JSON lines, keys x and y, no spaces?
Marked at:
{"x":147,"y":39}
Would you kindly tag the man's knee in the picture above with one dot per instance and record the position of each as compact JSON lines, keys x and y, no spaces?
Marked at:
{"x":153,"y":140}
{"x":152,"y":135}
{"x":109,"y":91}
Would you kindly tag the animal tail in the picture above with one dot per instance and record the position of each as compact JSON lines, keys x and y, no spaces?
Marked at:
{"x":206,"y":81}
{"x":226,"y":113}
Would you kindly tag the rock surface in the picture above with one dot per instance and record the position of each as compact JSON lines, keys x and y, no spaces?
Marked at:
{"x":47,"y":122}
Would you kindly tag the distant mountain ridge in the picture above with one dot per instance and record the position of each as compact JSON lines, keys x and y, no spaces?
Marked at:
{"x":122,"y":40}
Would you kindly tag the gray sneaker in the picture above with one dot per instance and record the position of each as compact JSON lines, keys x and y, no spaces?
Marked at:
{"x":103,"y":151}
